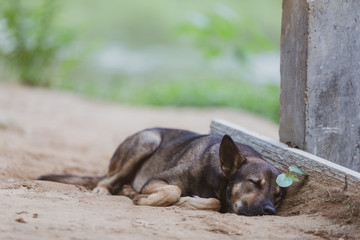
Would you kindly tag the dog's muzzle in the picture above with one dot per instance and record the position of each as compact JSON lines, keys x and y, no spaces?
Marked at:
{"x":268,"y":210}
{"x":259,"y":210}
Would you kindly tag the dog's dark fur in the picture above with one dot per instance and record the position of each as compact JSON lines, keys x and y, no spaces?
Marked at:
{"x":162,"y":167}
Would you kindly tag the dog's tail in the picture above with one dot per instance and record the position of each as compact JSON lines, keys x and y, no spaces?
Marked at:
{"x":88,"y":182}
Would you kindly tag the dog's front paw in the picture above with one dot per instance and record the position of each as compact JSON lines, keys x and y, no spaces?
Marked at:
{"x":139,"y":199}
{"x":101,"y":191}
{"x":128,"y":191}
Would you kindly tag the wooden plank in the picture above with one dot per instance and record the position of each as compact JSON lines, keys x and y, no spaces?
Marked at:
{"x":281,"y":156}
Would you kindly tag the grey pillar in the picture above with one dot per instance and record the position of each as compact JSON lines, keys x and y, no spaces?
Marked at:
{"x":320,"y":78}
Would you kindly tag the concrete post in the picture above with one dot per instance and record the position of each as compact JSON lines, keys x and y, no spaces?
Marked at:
{"x":320,"y":79}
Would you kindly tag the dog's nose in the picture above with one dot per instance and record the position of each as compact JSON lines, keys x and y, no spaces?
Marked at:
{"x":268,"y":210}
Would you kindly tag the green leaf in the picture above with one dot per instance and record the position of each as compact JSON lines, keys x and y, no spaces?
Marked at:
{"x":283,"y":180}
{"x":293,"y":178}
{"x":297,"y":170}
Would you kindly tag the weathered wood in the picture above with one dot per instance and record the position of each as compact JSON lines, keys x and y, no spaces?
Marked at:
{"x":320,"y":73}
{"x":281,"y":156}
{"x":294,"y":41}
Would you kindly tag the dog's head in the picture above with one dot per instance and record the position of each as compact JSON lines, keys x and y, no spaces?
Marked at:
{"x":251,"y":189}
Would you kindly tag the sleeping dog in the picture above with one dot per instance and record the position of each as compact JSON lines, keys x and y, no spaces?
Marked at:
{"x":163,"y":167}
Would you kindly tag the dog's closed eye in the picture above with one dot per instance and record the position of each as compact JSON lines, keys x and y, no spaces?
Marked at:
{"x":260,"y":183}
{"x":257,"y":182}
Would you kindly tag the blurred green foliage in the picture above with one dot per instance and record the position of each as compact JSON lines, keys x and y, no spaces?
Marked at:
{"x":31,"y":41}
{"x":208,"y":91}
{"x":40,"y":49}
{"x":140,"y":23}
{"x":250,"y":27}
{"x":224,"y":31}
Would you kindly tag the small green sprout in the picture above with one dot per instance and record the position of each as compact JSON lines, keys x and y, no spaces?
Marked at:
{"x":285,"y":180}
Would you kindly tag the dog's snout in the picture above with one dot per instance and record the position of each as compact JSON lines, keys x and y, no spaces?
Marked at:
{"x":268,"y":210}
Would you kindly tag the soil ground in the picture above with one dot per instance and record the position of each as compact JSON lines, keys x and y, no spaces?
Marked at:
{"x":46,"y":131}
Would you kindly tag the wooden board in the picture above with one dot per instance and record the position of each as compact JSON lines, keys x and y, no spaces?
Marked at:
{"x":281,"y":156}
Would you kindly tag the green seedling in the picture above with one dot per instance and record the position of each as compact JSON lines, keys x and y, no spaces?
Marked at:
{"x":285,"y":180}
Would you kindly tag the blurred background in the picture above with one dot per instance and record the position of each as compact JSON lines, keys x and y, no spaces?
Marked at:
{"x":202,"y":53}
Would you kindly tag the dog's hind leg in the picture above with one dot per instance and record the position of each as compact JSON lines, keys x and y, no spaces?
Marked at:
{"x":199,"y":203}
{"x":126,"y":160}
{"x":158,"y":193}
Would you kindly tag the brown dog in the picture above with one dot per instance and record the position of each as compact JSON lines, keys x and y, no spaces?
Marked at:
{"x":163,"y":167}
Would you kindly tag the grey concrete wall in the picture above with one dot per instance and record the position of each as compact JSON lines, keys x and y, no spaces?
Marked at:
{"x":322,"y":94}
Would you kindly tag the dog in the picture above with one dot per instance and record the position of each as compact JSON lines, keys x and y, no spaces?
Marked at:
{"x":164,"y":167}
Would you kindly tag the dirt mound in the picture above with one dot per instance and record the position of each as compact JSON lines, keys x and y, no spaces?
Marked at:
{"x":309,"y":198}
{"x":44,"y":131}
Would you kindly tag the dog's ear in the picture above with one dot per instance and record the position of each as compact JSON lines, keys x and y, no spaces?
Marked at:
{"x":231,"y":158}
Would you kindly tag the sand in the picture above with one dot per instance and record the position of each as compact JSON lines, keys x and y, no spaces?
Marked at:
{"x":46,"y":131}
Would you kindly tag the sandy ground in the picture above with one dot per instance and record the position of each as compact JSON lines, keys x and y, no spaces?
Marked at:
{"x":45,"y":131}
